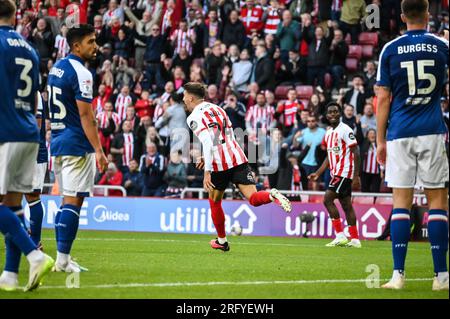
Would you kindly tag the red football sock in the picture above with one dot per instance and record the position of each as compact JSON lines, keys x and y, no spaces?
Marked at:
{"x":260,"y":198}
{"x":218,"y":217}
{"x":353,"y":230}
{"x":337,"y":225}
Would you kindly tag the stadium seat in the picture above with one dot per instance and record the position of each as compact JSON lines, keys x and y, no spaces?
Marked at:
{"x":368,"y":38}
{"x":384,"y":201}
{"x":304,"y":91}
{"x":281,"y":92}
{"x":367,"y":51}
{"x":351,"y":64}
{"x":355,"y":51}
{"x":363,"y":200}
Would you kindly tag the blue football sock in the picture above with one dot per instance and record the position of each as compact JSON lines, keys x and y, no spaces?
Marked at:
{"x":57,"y":216}
{"x":16,"y":238}
{"x":438,"y":234}
{"x":67,"y":227}
{"x":36,"y":216}
{"x":400,"y":232}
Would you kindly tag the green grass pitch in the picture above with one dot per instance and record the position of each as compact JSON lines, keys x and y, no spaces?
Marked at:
{"x":155,"y":265}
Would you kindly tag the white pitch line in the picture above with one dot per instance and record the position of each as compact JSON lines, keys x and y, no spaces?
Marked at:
{"x":202,"y":242}
{"x":226,"y":283}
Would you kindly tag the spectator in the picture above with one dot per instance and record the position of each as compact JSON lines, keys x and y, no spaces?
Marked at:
{"x":263,"y":69}
{"x":183,"y":60}
{"x":286,"y":112}
{"x":293,"y":71}
{"x":213,"y":29}
{"x":112,"y":177}
{"x":61,"y":46}
{"x":251,"y":16}
{"x":133,"y":179}
{"x":183,"y":38}
{"x":153,"y":137}
{"x":234,"y":31}
{"x":175,"y":119}
{"x":288,"y":34}
{"x":152,"y":168}
{"x":114,"y":10}
{"x":371,"y":173}
{"x":339,"y":51}
{"x":352,"y":14}
{"x":134,"y":121}
{"x":98,"y":103}
{"x":271,"y":17}
{"x":351,"y":120}
{"x":123,"y":147}
{"x":194,"y":175}
{"x":311,"y":137}
{"x":122,"y":45}
{"x":179,"y":77}
{"x":299,"y":7}
{"x":143,"y":105}
{"x":122,"y":101}
{"x":370,"y":78}
{"x":152,"y":7}
{"x":319,"y":53}
{"x":235,"y":110}
{"x":175,"y":175}
{"x":42,"y":39}
{"x":241,"y":72}
{"x":214,"y":62}
{"x":356,"y":96}
{"x":124,"y":74}
{"x":108,"y":124}
{"x":258,"y":122}
{"x":368,"y":120}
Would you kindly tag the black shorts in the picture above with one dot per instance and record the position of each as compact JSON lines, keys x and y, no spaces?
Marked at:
{"x":241,"y":174}
{"x":341,"y":186}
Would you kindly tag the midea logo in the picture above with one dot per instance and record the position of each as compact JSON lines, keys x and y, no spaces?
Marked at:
{"x":102,"y":214}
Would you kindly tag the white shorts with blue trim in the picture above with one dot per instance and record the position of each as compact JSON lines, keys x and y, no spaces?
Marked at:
{"x":75,"y":174}
{"x":417,"y":161}
{"x":17,"y":161}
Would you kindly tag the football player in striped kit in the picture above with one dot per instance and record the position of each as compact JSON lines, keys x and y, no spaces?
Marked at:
{"x":343,"y":160}
{"x":223,"y":160}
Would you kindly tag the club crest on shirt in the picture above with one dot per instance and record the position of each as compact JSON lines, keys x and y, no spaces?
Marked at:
{"x":351,"y":136}
{"x":250,"y":177}
{"x":193,"y":125}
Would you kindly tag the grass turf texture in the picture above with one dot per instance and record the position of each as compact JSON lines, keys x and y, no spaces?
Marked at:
{"x":126,"y":265}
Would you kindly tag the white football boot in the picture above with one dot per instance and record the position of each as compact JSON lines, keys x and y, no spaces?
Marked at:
{"x":281,"y":200}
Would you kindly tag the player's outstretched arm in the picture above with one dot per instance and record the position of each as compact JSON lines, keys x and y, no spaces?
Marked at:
{"x":383,"y":109}
{"x":89,"y":124}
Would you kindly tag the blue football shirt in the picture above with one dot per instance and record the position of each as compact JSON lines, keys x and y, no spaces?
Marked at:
{"x":19,"y":82}
{"x":42,"y":114}
{"x":69,"y":81}
{"x":414,"y":67}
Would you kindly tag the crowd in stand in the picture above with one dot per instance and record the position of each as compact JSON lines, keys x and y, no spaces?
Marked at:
{"x":269,"y":64}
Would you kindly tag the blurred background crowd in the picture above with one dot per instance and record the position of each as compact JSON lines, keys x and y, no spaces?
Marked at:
{"x":269,"y":64}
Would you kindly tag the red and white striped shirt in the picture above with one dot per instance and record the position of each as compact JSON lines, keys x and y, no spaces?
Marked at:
{"x":121,"y":105}
{"x":128,"y":148}
{"x":339,"y":141}
{"x":103,"y":120}
{"x":167,"y":21}
{"x":62,"y":46}
{"x":288,"y":112}
{"x":272,"y":22}
{"x":370,"y":160}
{"x":260,"y":117}
{"x":226,"y":151}
{"x":296,"y":184}
{"x":182,"y":39}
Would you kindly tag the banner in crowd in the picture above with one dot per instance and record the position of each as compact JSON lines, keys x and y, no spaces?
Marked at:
{"x":193,"y":216}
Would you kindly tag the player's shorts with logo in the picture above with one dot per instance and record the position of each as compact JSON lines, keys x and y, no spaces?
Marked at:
{"x":75,"y":174}
{"x":16,"y":158}
{"x":241,"y":174}
{"x":341,"y":186}
{"x":417,"y":161}
{"x":40,"y":169}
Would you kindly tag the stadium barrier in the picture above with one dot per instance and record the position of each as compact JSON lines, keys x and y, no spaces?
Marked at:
{"x":193,"y":216}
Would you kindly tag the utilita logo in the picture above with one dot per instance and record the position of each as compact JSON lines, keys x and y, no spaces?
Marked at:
{"x":198,"y":220}
{"x":102,"y":214}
